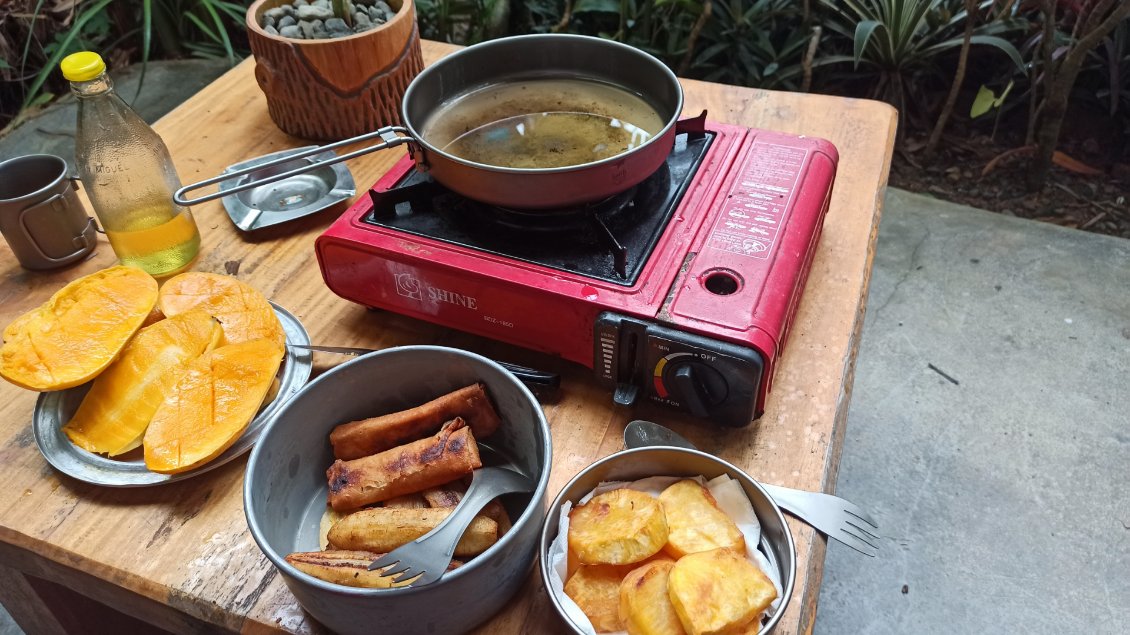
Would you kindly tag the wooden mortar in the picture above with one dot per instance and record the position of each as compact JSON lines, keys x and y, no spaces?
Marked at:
{"x":327,"y":90}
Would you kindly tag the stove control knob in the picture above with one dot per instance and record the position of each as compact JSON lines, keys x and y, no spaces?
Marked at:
{"x":697,"y":386}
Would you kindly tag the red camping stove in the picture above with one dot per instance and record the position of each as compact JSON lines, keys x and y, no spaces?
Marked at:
{"x":680,"y":290}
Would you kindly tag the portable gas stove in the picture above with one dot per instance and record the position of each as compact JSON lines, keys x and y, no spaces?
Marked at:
{"x":680,"y":290}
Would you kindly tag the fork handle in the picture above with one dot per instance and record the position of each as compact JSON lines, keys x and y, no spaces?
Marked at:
{"x":482,"y":491}
{"x":786,"y":498}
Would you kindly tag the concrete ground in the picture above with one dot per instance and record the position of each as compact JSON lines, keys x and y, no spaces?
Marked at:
{"x":988,"y":430}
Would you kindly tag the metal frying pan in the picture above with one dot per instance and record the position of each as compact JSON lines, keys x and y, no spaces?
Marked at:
{"x":508,"y":60}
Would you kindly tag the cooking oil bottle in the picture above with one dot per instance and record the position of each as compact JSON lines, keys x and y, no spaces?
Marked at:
{"x":128,"y":175}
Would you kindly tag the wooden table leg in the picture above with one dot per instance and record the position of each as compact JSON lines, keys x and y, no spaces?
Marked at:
{"x":24,"y":604}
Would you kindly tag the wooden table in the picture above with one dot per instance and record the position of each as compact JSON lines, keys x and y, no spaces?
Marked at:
{"x":180,"y":557}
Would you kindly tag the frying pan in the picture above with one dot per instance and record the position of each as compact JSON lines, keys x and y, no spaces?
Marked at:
{"x":507,"y":60}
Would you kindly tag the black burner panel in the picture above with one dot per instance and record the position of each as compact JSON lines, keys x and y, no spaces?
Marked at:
{"x":609,"y":240}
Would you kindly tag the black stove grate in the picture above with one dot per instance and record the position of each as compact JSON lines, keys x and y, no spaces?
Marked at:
{"x":610,"y":240}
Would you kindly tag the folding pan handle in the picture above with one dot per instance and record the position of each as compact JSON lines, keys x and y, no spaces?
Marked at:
{"x":388,"y":136}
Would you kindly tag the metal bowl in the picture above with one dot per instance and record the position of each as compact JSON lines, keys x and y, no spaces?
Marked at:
{"x":284,"y":494}
{"x":628,"y":465}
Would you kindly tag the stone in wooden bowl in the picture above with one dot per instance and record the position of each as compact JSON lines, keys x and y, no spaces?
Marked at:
{"x":331,"y":89}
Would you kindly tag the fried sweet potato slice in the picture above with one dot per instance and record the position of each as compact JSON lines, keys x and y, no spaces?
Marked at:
{"x":210,"y":407}
{"x":450,"y":454}
{"x":596,"y":590}
{"x":242,"y":310}
{"x":718,"y":592}
{"x":361,"y":438}
{"x":645,"y":605}
{"x":116,"y":411}
{"x":386,"y":528}
{"x":79,"y":331}
{"x":694,"y":521}
{"x":349,"y":568}
{"x":617,"y":527}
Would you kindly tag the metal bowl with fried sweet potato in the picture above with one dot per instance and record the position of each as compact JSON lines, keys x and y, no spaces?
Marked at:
{"x":374,"y":453}
{"x":666,"y":541}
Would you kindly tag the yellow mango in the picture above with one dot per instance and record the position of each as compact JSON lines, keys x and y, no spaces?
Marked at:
{"x":211,"y":405}
{"x":79,"y":331}
{"x":113,"y":415}
{"x":244,"y":312}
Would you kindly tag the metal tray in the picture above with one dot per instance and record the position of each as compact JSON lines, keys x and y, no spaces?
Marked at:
{"x":288,"y":199}
{"x":54,"y":409}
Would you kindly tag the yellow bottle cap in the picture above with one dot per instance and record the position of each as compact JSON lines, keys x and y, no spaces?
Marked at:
{"x":82,"y":67}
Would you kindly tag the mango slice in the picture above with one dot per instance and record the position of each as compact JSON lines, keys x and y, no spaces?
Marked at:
{"x":113,"y":415}
{"x":211,"y":405}
{"x":242,"y":310}
{"x":79,"y":331}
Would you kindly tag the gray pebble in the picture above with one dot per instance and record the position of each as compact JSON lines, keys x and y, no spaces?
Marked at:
{"x":307,"y":28}
{"x":361,"y":21}
{"x":383,"y":6}
{"x":287,"y":9}
{"x":268,"y":21}
{"x":274,"y":14}
{"x":336,"y":24}
{"x":325,"y":4}
{"x":292,"y":31}
{"x":299,"y":3}
{"x":287,"y":20}
{"x":320,"y":31}
{"x":376,"y":14}
{"x":271,"y":30}
{"x":314,"y":12}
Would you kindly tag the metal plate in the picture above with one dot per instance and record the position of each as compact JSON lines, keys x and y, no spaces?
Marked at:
{"x":287,"y":199}
{"x":54,"y":409}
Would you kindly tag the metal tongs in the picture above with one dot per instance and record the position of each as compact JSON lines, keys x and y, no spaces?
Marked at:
{"x":388,"y":136}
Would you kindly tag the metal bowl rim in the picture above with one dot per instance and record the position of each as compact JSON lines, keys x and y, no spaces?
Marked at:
{"x":545,"y":540}
{"x":478,"y":561}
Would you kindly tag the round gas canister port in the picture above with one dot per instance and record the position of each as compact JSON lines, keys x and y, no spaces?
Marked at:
{"x":721,"y":281}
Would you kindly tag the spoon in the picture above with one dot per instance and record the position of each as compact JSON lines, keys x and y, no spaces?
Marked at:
{"x":831,"y":515}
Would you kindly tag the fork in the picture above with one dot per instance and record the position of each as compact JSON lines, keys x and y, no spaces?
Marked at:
{"x":426,"y":558}
{"x":831,"y":515}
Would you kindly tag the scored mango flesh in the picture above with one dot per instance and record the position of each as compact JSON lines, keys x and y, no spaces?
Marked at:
{"x":79,"y":331}
{"x":210,"y":407}
{"x":243,"y":311}
{"x":115,"y":412}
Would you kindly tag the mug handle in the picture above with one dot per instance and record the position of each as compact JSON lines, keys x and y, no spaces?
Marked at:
{"x":79,"y":241}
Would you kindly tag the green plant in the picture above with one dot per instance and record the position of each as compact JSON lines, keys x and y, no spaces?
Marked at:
{"x":1061,"y":67}
{"x":463,"y":21}
{"x":760,"y":43}
{"x":202,"y":28}
{"x":901,"y":42}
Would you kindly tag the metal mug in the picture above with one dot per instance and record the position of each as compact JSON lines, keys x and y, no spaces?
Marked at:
{"x":41,"y":216}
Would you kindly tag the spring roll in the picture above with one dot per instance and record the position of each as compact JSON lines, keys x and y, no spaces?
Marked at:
{"x":406,"y":469}
{"x":450,"y":494}
{"x":349,"y":568}
{"x":385,"y":529}
{"x":369,"y":436}
{"x":408,"y":501}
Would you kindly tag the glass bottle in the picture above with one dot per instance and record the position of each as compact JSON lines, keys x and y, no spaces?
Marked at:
{"x":128,"y":175}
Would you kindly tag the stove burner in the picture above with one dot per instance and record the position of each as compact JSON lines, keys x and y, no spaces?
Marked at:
{"x":608,"y":240}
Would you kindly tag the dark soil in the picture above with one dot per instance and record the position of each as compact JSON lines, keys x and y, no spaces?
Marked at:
{"x":961,"y":173}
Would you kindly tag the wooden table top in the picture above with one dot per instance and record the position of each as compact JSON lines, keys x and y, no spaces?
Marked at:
{"x":180,"y":556}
